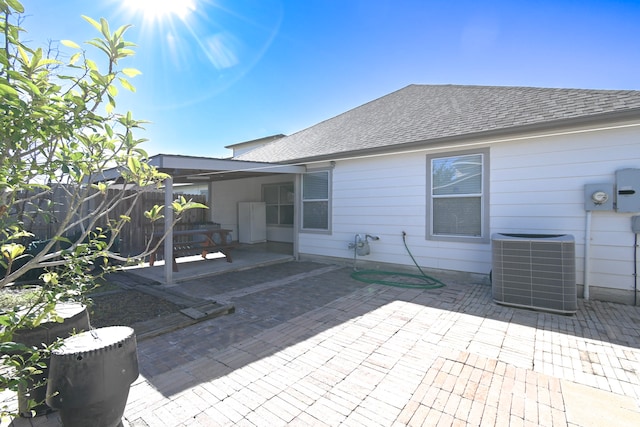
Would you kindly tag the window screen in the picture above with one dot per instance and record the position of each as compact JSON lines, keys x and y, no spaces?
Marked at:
{"x":457,"y":195}
{"x":315,"y":201}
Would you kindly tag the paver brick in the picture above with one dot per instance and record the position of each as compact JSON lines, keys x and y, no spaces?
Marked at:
{"x":368,"y":355}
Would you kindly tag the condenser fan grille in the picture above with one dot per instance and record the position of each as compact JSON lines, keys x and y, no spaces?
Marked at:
{"x":534,"y":271}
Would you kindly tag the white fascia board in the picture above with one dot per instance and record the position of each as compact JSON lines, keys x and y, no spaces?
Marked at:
{"x":163,"y":161}
{"x":175,"y":162}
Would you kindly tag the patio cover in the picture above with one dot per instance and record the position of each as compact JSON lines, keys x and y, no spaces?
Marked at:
{"x":200,"y":170}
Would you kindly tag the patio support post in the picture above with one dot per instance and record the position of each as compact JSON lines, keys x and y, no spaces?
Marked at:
{"x":210,"y":200}
{"x":297,"y":191}
{"x":168,"y":230}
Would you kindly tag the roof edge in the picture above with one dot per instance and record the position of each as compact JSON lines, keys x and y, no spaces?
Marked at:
{"x":618,"y":116}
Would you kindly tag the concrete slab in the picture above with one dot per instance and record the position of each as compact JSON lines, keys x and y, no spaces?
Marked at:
{"x":591,"y":407}
{"x":195,"y":267}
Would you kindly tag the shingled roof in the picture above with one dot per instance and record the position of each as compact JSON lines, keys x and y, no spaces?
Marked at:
{"x":427,"y":114}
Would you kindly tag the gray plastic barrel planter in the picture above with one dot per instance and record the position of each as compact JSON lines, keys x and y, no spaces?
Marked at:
{"x":76,"y":319}
{"x":90,"y":376}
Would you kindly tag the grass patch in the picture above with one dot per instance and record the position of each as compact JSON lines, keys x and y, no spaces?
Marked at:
{"x":103,"y":285}
{"x":14,"y":297}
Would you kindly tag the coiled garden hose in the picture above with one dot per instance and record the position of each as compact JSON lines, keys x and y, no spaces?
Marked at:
{"x":400,"y":280}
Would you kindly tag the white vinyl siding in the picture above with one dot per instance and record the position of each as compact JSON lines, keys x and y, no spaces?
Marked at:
{"x":385,"y":196}
{"x":538,"y":187}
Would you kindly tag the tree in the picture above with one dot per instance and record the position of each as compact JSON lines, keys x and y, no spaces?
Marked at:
{"x":59,"y":132}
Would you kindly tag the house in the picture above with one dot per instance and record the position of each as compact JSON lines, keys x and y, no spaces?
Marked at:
{"x":449,"y":166}
{"x":445,"y":167}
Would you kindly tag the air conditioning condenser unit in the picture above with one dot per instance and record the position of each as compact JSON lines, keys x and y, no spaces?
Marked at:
{"x":534,"y":271}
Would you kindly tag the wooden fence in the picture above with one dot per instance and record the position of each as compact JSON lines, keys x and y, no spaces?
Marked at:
{"x":134,"y":235}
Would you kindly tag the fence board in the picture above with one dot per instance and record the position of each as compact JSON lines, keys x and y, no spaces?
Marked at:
{"x":134,"y":235}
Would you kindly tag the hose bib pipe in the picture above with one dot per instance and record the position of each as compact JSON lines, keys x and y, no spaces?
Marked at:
{"x":390,"y":278}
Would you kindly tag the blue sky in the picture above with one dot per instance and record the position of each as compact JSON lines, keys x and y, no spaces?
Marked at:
{"x":235,"y":70}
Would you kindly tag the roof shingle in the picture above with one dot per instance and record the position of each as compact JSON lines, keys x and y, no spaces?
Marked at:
{"x":431,"y":112}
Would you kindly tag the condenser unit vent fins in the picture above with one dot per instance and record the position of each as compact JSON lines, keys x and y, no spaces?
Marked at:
{"x":534,"y":271}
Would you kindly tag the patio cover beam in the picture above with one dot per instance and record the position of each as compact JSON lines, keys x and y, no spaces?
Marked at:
{"x":204,"y":168}
{"x":185,"y":168}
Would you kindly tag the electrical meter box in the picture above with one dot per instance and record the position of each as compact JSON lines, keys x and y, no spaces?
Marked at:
{"x":598,"y":197}
{"x":628,"y":190}
{"x":635,"y":224}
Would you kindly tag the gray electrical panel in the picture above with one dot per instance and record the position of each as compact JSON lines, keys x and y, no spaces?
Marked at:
{"x":598,"y":197}
{"x":628,"y":190}
{"x":635,"y":224}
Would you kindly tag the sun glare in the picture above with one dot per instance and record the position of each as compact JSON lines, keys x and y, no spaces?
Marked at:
{"x":157,"y":10}
{"x":184,"y":40}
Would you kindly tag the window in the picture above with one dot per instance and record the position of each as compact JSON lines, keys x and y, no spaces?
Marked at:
{"x":458,"y":202}
{"x":315,"y":201}
{"x":279,"y":203}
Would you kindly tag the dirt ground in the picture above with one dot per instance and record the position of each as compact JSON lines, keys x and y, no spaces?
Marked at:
{"x":126,"y":307}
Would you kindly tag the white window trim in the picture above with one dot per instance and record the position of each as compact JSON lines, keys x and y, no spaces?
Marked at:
{"x":279,"y":184}
{"x":329,"y":202}
{"x":484,"y":210}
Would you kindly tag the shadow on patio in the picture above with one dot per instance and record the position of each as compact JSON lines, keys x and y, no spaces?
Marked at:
{"x":282,"y":308}
{"x":310,"y":345}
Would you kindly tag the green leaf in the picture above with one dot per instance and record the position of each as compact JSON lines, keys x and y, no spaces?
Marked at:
{"x":120,"y":31}
{"x":181,"y":204}
{"x":101,"y":187}
{"x":47,"y":61}
{"x":126,"y":52}
{"x":23,"y":55}
{"x":13,"y":347}
{"x":125,"y":84}
{"x":133,"y":164}
{"x":100,"y":44}
{"x":7,"y":90}
{"x":113,"y":91}
{"x":92,"y":22}
{"x":92,"y":65}
{"x":75,"y":58}
{"x":111,"y":104}
{"x":16,"y":5}
{"x":12,"y":251}
{"x":155,"y":213}
{"x":131,"y":72}
{"x":70,"y":43}
{"x":50,"y":277}
{"x":104,"y":28}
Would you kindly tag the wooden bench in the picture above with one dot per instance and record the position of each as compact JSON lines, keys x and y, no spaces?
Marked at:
{"x":197,"y":241}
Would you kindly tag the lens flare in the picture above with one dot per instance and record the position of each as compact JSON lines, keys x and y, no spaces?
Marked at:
{"x":191,"y":50}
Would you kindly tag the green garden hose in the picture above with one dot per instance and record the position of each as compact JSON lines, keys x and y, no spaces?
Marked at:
{"x":400,"y":280}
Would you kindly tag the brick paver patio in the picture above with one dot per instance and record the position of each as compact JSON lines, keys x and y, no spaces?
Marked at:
{"x":308,"y":345}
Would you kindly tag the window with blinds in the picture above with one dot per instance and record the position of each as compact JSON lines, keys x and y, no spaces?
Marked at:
{"x":315,"y":201}
{"x":457,"y":195}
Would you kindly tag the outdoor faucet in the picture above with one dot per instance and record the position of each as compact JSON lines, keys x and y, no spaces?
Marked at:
{"x":357,"y":242}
